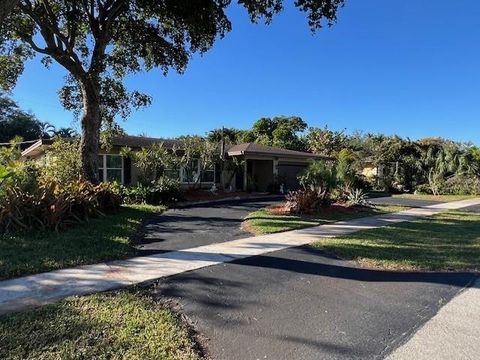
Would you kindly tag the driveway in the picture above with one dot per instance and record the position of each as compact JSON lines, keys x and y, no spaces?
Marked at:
{"x":297,"y":303}
{"x":199,"y":225}
{"x":300,"y":303}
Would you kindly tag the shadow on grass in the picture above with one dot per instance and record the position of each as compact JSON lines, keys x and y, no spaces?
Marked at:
{"x":98,"y":240}
{"x":96,"y":327}
{"x":449,"y":241}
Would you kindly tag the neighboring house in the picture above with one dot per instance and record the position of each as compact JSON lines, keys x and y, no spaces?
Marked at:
{"x":370,"y":170}
{"x":260,"y":167}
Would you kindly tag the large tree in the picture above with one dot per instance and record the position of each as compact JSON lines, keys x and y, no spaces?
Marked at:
{"x":99,"y":42}
{"x":279,"y":131}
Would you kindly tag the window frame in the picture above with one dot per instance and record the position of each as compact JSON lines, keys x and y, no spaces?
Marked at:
{"x":103,"y":167}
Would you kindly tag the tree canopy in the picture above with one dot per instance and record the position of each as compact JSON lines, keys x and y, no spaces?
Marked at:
{"x":15,"y":122}
{"x":100,"y":42}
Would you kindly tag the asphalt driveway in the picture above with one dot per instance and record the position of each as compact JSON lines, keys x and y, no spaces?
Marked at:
{"x":297,"y":303}
{"x":302,"y":304}
{"x":198,"y":225}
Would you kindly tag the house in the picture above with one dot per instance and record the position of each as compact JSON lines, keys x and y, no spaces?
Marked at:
{"x":259,"y":168}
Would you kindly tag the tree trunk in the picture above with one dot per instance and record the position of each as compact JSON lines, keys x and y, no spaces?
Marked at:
{"x":90,"y":124}
{"x":6,"y":6}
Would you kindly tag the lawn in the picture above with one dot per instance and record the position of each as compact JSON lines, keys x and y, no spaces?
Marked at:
{"x":114,"y":325}
{"x":444,"y":198}
{"x":447,"y":241}
{"x":264,"y":222}
{"x":98,"y":240}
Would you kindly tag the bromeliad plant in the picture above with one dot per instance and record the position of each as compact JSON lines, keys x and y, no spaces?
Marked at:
{"x":55,"y":206}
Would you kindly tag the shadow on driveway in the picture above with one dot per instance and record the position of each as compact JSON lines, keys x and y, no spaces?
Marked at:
{"x":198,"y":225}
{"x":300,"y":303}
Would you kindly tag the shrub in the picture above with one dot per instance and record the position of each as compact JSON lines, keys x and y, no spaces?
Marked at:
{"x":356,"y":197}
{"x":13,"y":171}
{"x":423,"y":189}
{"x":305,"y":201}
{"x":319,"y":178}
{"x":62,"y":162}
{"x":461,"y":185}
{"x":162,"y":191}
{"x":346,"y":168}
{"x":135,"y":194}
{"x":165,"y":190}
{"x":54,"y":206}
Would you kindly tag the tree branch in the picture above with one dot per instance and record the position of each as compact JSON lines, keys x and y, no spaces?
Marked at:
{"x":29,"y":40}
{"x":89,"y":10}
{"x":107,"y":13}
{"x":64,"y":56}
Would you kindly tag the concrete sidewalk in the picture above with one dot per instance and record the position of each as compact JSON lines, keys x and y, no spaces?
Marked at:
{"x":451,"y":334}
{"x":21,"y":293}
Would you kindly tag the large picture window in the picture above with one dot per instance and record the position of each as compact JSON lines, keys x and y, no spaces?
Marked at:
{"x":110,"y":168}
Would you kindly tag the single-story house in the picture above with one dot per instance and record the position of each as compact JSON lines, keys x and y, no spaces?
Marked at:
{"x":263,"y":166}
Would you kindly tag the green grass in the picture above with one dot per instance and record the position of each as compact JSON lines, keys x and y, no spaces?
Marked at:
{"x":445,"y":198}
{"x":447,"y":241}
{"x":114,"y":325}
{"x":263,"y":222}
{"x":100,"y":239}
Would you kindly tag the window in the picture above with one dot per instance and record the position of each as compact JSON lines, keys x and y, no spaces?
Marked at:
{"x":101,"y":168}
{"x":191,"y":171}
{"x":209,"y":174}
{"x":173,"y":173}
{"x":110,"y":168}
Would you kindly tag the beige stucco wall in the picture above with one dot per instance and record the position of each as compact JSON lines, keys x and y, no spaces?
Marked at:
{"x":369,"y":171}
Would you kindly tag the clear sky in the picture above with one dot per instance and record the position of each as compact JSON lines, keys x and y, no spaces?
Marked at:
{"x":407,"y":67}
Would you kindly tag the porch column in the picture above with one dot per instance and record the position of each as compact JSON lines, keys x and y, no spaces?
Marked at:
{"x":275,"y":168}
{"x":245,"y":177}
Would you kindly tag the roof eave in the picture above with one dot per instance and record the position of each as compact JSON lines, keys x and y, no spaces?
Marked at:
{"x":32,"y":147}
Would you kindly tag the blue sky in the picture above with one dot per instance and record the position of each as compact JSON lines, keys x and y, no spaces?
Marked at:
{"x":407,"y":67}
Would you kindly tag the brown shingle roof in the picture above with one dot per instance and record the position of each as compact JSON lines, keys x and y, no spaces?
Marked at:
{"x":258,"y":149}
{"x":136,"y":142}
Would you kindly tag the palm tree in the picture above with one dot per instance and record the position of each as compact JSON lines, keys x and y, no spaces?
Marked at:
{"x":47,"y":130}
{"x":440,"y":161}
{"x":65,"y":133}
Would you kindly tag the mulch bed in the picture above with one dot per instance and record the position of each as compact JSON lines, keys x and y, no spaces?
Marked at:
{"x":336,"y":208}
{"x":204,"y":195}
